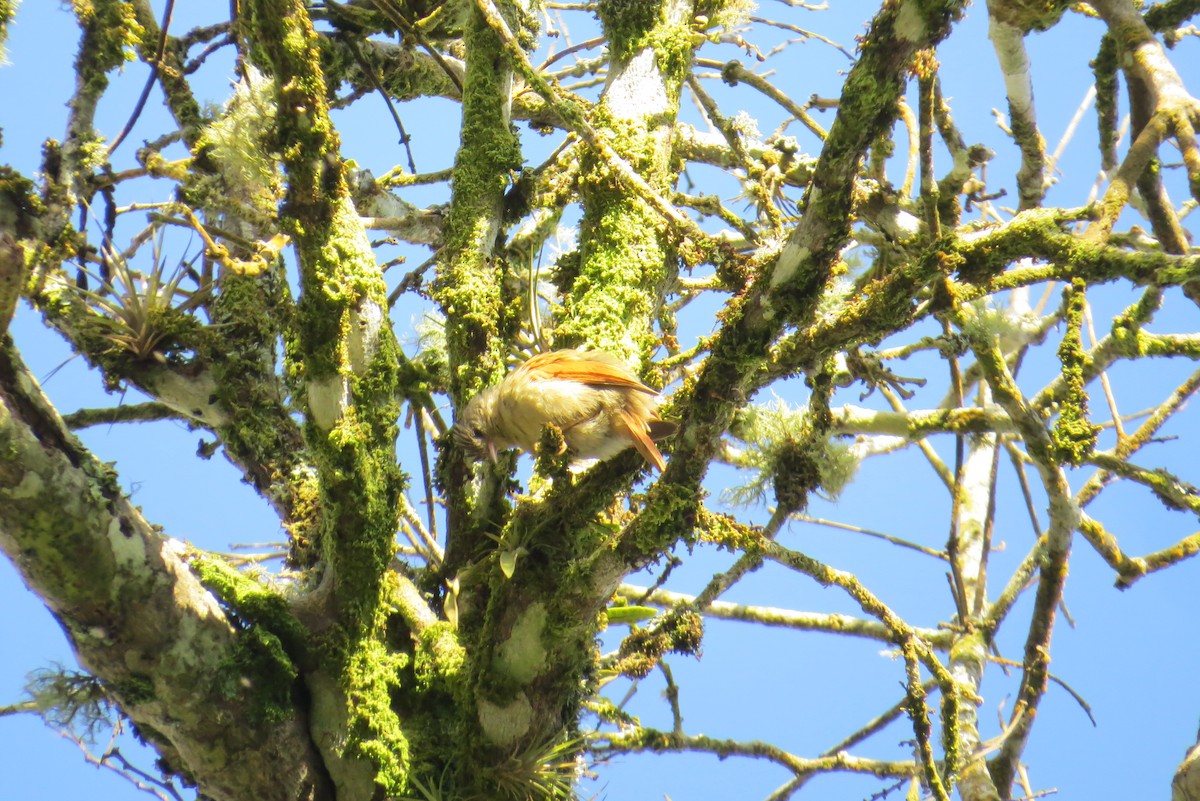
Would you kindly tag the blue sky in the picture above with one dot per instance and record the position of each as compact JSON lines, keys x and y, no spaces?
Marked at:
{"x":1132,"y":655}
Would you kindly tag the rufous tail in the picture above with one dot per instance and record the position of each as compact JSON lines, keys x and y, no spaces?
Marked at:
{"x":639,"y":433}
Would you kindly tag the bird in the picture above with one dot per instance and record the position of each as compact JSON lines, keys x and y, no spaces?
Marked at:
{"x":591,"y":395}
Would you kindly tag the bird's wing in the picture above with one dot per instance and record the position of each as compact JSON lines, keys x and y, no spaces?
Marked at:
{"x":661,"y":429}
{"x":594,"y":368}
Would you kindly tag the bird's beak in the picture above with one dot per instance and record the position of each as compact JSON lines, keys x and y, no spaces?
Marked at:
{"x":491,"y":452}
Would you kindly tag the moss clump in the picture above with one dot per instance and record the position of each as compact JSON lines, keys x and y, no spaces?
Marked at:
{"x":628,"y":24}
{"x":670,"y":514}
{"x":259,"y":667}
{"x":439,"y":657}
{"x":304,"y":526}
{"x":250,"y":311}
{"x":469,"y":287}
{"x":375,"y":730}
{"x":360,"y":494}
{"x":270,"y":640}
{"x":111,"y":32}
{"x":678,"y":632}
{"x":613,"y":296}
{"x":251,"y":602}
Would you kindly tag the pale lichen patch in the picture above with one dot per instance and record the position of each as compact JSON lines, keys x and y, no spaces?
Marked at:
{"x":522,"y":655}
{"x":504,"y":725}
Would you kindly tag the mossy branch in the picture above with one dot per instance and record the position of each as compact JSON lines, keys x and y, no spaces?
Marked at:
{"x":132,"y":413}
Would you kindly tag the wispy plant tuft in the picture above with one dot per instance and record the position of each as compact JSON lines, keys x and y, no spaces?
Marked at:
{"x":72,"y":701}
{"x":785,"y":457}
{"x":236,"y":145}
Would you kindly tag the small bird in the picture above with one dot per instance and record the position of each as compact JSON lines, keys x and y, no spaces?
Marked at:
{"x":598,"y":404}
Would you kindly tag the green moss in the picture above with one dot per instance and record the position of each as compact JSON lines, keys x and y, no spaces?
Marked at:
{"x":357,"y":491}
{"x":262,"y":665}
{"x":376,"y":734}
{"x":669,"y":516}
{"x":439,"y":657}
{"x":304,"y":526}
{"x":341,"y":288}
{"x":259,"y":669}
{"x":1074,"y":436}
{"x":360,"y":490}
{"x":674,"y":50}
{"x":678,"y":632}
{"x":1127,"y":330}
{"x":252,"y":602}
{"x":1033,"y":232}
{"x":135,"y":689}
{"x":111,"y":32}
{"x":629,"y":25}
{"x":611,"y":301}
{"x":469,"y":287}
{"x":251,"y":311}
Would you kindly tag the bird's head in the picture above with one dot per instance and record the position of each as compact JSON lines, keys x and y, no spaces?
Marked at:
{"x":475,"y":431}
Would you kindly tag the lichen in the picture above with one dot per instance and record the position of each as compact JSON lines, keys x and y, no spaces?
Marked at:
{"x":788,"y":452}
{"x":234,"y":143}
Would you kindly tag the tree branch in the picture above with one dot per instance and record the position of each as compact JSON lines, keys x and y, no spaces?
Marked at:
{"x":136,"y":616}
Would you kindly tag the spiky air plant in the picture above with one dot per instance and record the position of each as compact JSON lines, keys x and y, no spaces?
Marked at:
{"x":544,"y":771}
{"x":145,"y":314}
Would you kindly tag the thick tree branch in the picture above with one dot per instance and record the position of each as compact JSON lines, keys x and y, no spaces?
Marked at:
{"x":135,"y":614}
